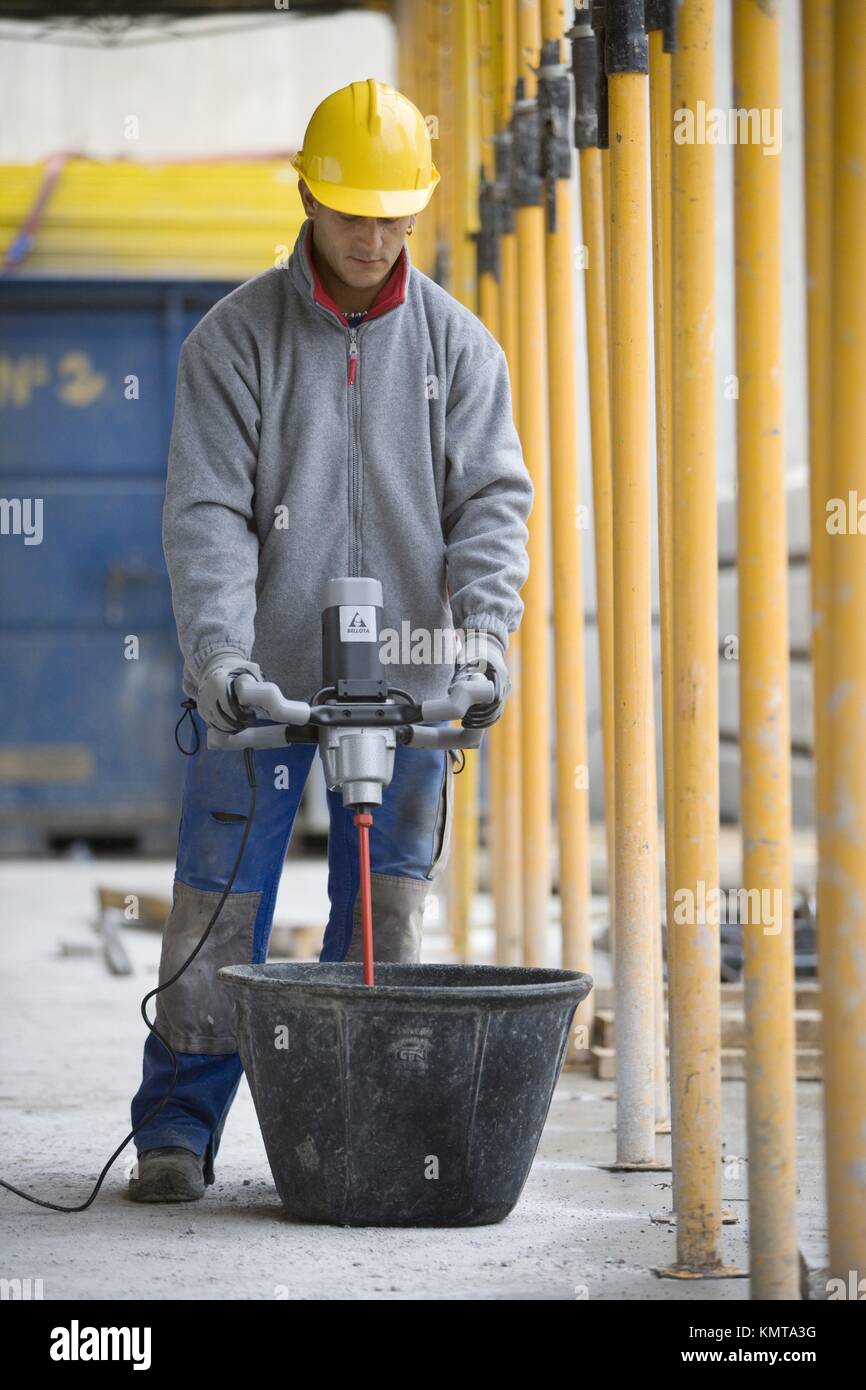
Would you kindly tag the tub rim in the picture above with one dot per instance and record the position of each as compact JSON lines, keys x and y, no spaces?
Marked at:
{"x":562,"y":985}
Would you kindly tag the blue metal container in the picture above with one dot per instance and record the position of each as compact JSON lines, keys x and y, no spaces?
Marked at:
{"x":89,"y":662}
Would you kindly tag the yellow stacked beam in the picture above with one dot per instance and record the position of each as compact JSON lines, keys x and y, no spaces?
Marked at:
{"x":225,"y":219}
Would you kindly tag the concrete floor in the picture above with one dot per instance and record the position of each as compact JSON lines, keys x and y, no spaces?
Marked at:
{"x":71,"y":1046}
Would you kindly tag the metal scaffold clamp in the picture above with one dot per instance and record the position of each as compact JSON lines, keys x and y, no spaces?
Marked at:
{"x":585,"y":79}
{"x":625,"y":40}
{"x":599,"y":21}
{"x":490,"y":219}
{"x":554,"y":108}
{"x":662,"y":14}
{"x":501,"y":192}
{"x":525,"y":172}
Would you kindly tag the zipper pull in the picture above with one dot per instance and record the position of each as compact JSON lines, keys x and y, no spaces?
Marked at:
{"x":353,"y":354}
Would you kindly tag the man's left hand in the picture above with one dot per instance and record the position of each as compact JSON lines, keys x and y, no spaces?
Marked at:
{"x":484,"y":653}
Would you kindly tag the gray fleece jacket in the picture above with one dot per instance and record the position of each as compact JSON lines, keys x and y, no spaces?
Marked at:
{"x":303,"y":450}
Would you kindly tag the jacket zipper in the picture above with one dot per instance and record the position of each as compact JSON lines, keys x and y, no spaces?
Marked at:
{"x":354,"y":458}
{"x":353,"y":354}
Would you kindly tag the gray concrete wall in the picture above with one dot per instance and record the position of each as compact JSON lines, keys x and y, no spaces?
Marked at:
{"x":227,"y":85}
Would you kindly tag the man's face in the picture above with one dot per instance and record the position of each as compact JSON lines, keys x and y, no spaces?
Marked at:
{"x":360,"y":250}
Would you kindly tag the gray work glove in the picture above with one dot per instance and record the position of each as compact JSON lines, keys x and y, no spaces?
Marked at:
{"x":214,"y":698}
{"x":484,"y":653}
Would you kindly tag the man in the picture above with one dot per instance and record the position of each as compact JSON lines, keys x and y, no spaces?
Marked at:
{"x":341,"y":416}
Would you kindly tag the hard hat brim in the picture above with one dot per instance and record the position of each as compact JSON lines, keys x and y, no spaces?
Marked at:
{"x":369,"y":202}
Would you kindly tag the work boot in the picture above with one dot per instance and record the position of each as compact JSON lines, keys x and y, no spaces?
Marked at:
{"x":167,"y":1175}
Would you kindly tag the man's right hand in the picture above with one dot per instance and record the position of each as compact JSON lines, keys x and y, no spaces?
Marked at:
{"x":214,"y":698}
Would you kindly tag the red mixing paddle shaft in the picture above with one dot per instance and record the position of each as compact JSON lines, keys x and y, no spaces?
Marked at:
{"x":364,"y":820}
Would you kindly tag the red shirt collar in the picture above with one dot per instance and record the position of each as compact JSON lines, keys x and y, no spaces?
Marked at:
{"x":392,"y":293}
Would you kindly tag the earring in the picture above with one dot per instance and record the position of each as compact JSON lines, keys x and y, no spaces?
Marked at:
{"x":409,"y":231}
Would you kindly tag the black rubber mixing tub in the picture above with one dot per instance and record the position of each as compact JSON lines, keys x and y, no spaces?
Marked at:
{"x":418,"y":1101}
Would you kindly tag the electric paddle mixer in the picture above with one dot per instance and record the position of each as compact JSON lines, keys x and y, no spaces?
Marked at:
{"x":356,"y":718}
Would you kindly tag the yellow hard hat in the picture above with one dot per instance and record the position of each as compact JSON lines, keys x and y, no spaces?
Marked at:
{"x":367,"y":151}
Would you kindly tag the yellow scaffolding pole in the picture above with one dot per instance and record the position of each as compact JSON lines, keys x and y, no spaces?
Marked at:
{"x":693,"y":930}
{"x":446,"y":192}
{"x":842,"y":933}
{"x":590,"y":129}
{"x":634,"y":742}
{"x":608,"y":696}
{"x":445,"y":129}
{"x":661,"y":134}
{"x":817,"y":45}
{"x":488,"y":298}
{"x":488,"y":310}
{"x":488,"y":285}
{"x":535,"y":636}
{"x":467,"y":115}
{"x":507,"y":807}
{"x":765,"y":734}
{"x":462,"y":18}
{"x":406,"y":54}
{"x":595,"y":292}
{"x":608,"y":700}
{"x":572,"y":770}
{"x":413,"y":29}
{"x":508,"y":319}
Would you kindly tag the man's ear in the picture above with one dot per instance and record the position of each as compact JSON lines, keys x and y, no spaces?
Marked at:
{"x":307,"y":199}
